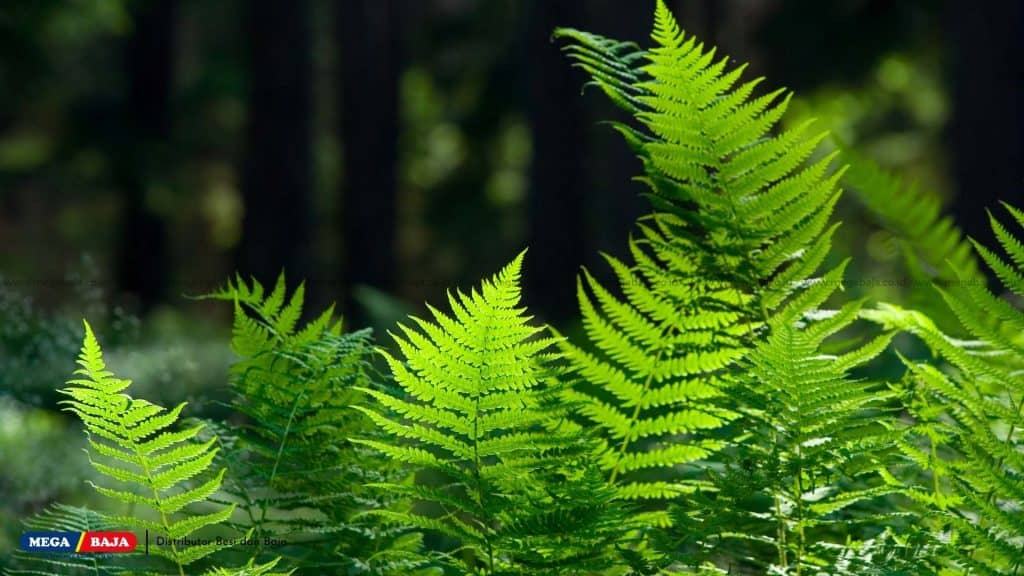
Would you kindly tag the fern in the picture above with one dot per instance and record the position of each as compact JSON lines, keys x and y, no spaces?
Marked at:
{"x":813,"y":443}
{"x":976,"y":410}
{"x":146,"y":464}
{"x":474,"y":409}
{"x":297,"y":475}
{"x":928,"y":238}
{"x":712,"y":421}
{"x":740,"y":224}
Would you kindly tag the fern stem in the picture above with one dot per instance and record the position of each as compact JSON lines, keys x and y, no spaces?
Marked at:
{"x":273,"y":471}
{"x":485,"y":521}
{"x":156,"y":498}
{"x":780,"y":538}
{"x":632,"y":419}
{"x":798,"y":498}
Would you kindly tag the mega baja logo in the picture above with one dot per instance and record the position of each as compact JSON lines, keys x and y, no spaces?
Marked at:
{"x":78,"y":542}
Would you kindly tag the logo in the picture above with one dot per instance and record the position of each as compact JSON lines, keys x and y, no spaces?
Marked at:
{"x":78,"y":542}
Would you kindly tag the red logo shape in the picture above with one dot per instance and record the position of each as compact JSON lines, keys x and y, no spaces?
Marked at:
{"x":108,"y":542}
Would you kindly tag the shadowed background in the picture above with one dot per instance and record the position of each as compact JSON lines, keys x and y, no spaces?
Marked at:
{"x":409,"y":145}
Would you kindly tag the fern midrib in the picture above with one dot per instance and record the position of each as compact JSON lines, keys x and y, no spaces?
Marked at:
{"x":277,"y":462}
{"x":798,"y":481}
{"x":156,"y":498}
{"x":636,"y":411}
{"x":481,"y":498}
{"x":781,"y":534}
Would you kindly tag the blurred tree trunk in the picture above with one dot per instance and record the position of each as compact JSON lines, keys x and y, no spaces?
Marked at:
{"x":557,"y":198}
{"x":986,"y":41}
{"x":278,"y":171}
{"x":149,"y":70}
{"x":369,"y":35}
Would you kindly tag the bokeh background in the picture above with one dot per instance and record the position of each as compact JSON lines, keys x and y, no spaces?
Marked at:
{"x":384,"y":150}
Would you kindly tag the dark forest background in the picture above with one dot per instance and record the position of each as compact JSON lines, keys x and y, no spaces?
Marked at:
{"x":385,"y":150}
{"x":407,"y":145}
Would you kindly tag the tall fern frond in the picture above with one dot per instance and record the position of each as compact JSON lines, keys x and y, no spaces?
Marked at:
{"x":475,"y":413}
{"x":976,"y":409}
{"x":298,"y":476}
{"x":146,"y":463}
{"x":740,"y":226}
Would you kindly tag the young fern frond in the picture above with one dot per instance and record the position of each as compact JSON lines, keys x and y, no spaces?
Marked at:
{"x":146,"y":463}
{"x":978,"y":410}
{"x":512,"y":486}
{"x":740,"y":224}
{"x":298,"y":476}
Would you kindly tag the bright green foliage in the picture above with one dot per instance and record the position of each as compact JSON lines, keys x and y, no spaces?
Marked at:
{"x":740,"y":224}
{"x":298,"y":476}
{"x":474,"y":412}
{"x":970,"y":418}
{"x":147,"y":463}
{"x":813,"y":442}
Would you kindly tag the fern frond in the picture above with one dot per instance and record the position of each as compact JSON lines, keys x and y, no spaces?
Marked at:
{"x":297,"y":475}
{"x":796,"y":484}
{"x":475,"y":409}
{"x":934,"y":248}
{"x":145,"y":463}
{"x":978,"y":407}
{"x":739,"y":230}
{"x":931,"y":239}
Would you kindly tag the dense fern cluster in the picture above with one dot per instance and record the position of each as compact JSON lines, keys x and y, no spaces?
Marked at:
{"x":717,"y":416}
{"x":296,"y":475}
{"x":971,"y":417}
